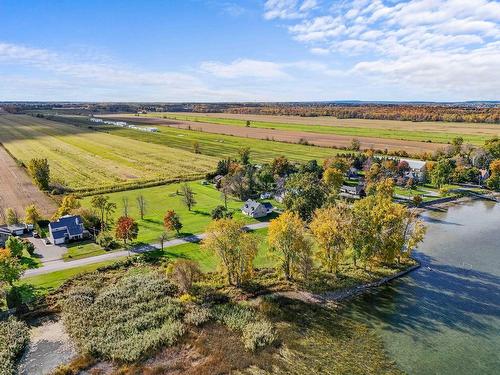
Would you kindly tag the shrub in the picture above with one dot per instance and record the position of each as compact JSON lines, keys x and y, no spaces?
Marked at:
{"x":105,"y":240}
{"x":235,"y":317}
{"x":258,"y":334}
{"x":14,"y":336}
{"x":197,"y":315}
{"x":183,"y":273}
{"x":124,"y":321}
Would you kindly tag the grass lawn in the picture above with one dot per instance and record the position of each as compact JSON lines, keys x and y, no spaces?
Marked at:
{"x":29,"y":261}
{"x":43,"y":284}
{"x":162,"y":198}
{"x":83,"y":249}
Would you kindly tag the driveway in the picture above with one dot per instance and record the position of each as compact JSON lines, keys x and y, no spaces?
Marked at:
{"x":57,"y":264}
{"x":47,"y":253}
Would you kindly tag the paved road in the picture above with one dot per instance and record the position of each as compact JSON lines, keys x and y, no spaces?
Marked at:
{"x":58,"y":265}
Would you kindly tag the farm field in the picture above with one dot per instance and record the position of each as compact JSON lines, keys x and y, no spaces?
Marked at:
{"x":17,"y":190}
{"x":159,"y":199}
{"x":291,"y":135}
{"x":437,"y":132}
{"x":218,"y":145}
{"x":81,"y":159}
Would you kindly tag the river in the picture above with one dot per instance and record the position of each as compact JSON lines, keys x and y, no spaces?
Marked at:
{"x":444,"y":318}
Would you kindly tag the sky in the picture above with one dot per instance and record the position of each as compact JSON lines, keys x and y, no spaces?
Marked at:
{"x":249,"y":50}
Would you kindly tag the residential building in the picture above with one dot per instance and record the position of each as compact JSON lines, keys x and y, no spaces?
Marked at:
{"x":67,"y":228}
{"x":256,"y":209}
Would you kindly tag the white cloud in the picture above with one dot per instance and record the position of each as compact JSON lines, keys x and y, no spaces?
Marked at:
{"x":244,"y":68}
{"x":288,"y":9}
{"x":443,"y":45}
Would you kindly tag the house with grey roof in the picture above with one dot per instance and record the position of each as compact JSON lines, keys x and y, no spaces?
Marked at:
{"x":67,"y":228}
{"x":348,"y":191}
{"x":4,"y":234}
{"x":256,"y":209}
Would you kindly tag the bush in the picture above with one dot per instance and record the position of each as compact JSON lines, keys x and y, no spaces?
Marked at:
{"x":183,"y":273}
{"x":235,"y":317}
{"x":258,"y":334}
{"x":125,"y":321}
{"x":29,"y":247}
{"x":14,"y":336}
{"x":197,"y":315}
{"x":105,"y":240}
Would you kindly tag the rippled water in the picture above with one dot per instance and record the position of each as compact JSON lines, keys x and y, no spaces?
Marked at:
{"x":445,"y":317}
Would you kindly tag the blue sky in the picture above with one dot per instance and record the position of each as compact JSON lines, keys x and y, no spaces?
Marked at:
{"x":274,"y":50}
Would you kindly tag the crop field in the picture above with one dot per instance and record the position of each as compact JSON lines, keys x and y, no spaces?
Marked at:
{"x":219,"y":145}
{"x":320,"y":138}
{"x":159,"y":199}
{"x":436,"y":132}
{"x":82,"y":159}
{"x":17,"y":190}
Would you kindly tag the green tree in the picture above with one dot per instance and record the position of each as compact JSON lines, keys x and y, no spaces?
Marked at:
{"x":40,"y":172}
{"x":287,"y":238}
{"x":333,"y":179}
{"x":304,"y":194}
{"x":221,"y":212}
{"x":11,"y":269}
{"x":244,"y":154}
{"x":105,"y":208}
{"x":234,"y":248}
{"x":442,"y":171}
{"x":15,"y":246}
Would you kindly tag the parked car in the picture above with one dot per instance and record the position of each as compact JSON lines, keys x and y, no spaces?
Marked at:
{"x":47,"y":241}
{"x":35,"y":234}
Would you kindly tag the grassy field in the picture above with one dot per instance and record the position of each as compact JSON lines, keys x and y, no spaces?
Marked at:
{"x":402,"y":130}
{"x":162,"y":198}
{"x":82,"y":159}
{"x":217,"y":145}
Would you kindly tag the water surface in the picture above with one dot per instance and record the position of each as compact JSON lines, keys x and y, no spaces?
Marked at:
{"x":445,"y":317}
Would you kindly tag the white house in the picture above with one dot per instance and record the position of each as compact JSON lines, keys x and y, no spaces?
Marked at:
{"x":67,"y":228}
{"x":256,"y":209}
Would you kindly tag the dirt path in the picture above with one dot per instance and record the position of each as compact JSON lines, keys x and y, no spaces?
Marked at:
{"x":17,"y":190}
{"x":318,"y":139}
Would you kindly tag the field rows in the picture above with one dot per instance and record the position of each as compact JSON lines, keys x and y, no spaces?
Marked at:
{"x":83,"y":159}
{"x":399,"y":130}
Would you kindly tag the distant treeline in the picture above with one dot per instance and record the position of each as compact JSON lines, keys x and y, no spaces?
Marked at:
{"x":486,"y":112}
{"x":381,"y":112}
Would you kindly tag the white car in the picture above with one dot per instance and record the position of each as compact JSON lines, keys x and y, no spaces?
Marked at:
{"x":265,"y":195}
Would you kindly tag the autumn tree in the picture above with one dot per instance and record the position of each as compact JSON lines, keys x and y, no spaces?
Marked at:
{"x":172,"y":221}
{"x":234,"y":248}
{"x":126,"y":229}
{"x":493,"y":181}
{"x":355,"y":144}
{"x":288,"y":240}
{"x":333,"y":179}
{"x":281,"y":166}
{"x":32,"y":216}
{"x":184,"y":273}
{"x":188,"y":196}
{"x":11,"y":216}
{"x":383,"y":231}
{"x":331,"y":228}
{"x":40,"y":172}
{"x":68,"y":205}
{"x":141,"y":205}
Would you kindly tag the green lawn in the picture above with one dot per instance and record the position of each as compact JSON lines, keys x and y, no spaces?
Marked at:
{"x":207,"y":261}
{"x":437,"y":136}
{"x":83,"y":249}
{"x":162,"y":198}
